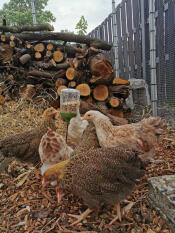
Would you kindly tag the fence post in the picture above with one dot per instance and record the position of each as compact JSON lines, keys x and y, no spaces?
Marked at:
{"x":115,"y":40}
{"x":142,"y":3}
{"x":33,"y":12}
{"x":152,"y":38}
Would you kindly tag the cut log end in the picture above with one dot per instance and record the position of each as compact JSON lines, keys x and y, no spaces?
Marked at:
{"x":60,"y":82}
{"x":100,"y":93}
{"x":70,"y":73}
{"x":49,"y":46}
{"x":39,"y":47}
{"x":60,"y":88}
{"x":114,"y":102}
{"x":84,"y":89}
{"x":38,"y":55}
{"x":119,"y":81}
{"x":58,"y":56}
{"x":3,"y":38}
{"x":72,"y":84}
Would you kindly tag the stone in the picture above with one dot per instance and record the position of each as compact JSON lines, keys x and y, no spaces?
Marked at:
{"x":162,"y":197}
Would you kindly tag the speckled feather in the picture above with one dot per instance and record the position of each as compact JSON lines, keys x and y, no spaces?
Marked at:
{"x":103,"y":175}
{"x":53,"y":148}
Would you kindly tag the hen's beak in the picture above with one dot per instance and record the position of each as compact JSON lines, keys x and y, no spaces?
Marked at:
{"x":84,"y":118}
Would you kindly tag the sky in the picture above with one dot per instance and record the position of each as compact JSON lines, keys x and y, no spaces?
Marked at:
{"x":68,"y":12}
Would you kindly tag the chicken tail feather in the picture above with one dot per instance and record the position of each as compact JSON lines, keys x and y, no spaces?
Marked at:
{"x":158,"y":125}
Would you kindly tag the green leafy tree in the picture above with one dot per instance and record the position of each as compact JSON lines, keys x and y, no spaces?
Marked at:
{"x":19,"y":12}
{"x":82,"y":26}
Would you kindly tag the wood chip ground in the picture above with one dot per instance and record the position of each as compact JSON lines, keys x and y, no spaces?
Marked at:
{"x":24,"y":207}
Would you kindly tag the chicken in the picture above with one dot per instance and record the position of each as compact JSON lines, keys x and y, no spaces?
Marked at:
{"x":76,"y":127}
{"x":88,"y":140}
{"x":102,"y":175}
{"x":24,"y":146}
{"x":142,"y":135}
{"x":53,"y":149}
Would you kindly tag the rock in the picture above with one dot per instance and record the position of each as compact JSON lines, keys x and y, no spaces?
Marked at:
{"x":162,"y":197}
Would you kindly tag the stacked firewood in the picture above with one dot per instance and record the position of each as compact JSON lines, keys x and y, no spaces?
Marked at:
{"x":37,"y":61}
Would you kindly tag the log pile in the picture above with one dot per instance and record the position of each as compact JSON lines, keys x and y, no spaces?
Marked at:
{"x":37,"y":61}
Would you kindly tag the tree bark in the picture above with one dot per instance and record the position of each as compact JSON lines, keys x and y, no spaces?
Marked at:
{"x":64,"y":37}
{"x":38,"y":73}
{"x":26,"y":28}
{"x":25,"y":58}
{"x":121,"y":91}
{"x":84,"y":107}
{"x":101,"y":67}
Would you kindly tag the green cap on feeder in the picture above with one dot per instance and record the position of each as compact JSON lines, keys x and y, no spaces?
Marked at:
{"x":69,"y":103}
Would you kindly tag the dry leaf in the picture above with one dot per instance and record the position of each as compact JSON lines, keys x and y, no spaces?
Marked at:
{"x":24,"y":176}
{"x":150,"y":231}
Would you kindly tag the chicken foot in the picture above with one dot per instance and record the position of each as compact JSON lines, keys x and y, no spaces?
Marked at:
{"x":124,"y":211}
{"x":80,"y":217}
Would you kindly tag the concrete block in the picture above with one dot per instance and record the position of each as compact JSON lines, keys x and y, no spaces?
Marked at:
{"x":143,"y":97}
{"x":162,"y":197}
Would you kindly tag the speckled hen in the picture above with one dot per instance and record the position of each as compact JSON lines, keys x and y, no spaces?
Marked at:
{"x":102,"y":175}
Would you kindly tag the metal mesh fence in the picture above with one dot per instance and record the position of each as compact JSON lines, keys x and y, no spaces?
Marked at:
{"x":129,"y":29}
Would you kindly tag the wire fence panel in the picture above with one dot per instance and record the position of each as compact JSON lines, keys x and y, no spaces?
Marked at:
{"x":131,"y":64}
{"x":124,"y":41}
{"x":160,"y":50}
{"x":129,"y":30}
{"x":170,"y":52}
{"x":120,"y":45}
{"x":137,"y":38}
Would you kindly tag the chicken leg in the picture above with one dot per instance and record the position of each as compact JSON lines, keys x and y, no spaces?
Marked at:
{"x":81,"y":216}
{"x":124,"y":211}
{"x":59,"y":195}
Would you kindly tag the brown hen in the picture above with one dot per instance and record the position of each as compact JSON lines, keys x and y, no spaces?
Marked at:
{"x":142,"y":135}
{"x":24,"y":146}
{"x":103,"y":175}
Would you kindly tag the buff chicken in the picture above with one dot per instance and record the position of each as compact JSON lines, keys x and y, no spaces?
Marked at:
{"x":76,"y":127}
{"x":53,"y":149}
{"x":24,"y":146}
{"x":142,"y":135}
{"x":98,"y":176}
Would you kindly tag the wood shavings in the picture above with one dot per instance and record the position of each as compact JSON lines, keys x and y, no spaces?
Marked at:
{"x":24,"y":207}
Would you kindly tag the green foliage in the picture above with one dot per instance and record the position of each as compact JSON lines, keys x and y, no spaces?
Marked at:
{"x":66,"y":31}
{"x":81,"y":26}
{"x":19,"y":12}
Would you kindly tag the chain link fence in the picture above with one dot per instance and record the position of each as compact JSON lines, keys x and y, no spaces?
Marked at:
{"x":132,"y":61}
